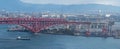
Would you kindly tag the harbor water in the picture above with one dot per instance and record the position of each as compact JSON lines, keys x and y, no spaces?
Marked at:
{"x":48,"y":41}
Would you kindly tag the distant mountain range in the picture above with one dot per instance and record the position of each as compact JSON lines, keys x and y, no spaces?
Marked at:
{"x":16,"y":5}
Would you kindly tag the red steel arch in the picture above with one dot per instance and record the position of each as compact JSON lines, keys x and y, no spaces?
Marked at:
{"x":37,"y":24}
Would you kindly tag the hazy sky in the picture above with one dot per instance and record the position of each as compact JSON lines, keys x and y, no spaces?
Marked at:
{"x":69,"y":2}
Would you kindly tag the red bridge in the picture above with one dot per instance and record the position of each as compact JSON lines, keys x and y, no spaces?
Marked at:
{"x":37,"y":24}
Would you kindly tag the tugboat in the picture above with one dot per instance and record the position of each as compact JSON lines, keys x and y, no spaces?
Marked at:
{"x":19,"y":38}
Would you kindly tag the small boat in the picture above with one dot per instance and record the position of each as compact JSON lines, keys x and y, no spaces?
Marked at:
{"x":19,"y":38}
{"x":117,"y":37}
{"x":76,"y":34}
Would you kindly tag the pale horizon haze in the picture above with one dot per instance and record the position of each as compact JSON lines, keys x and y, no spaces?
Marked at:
{"x":72,"y":2}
